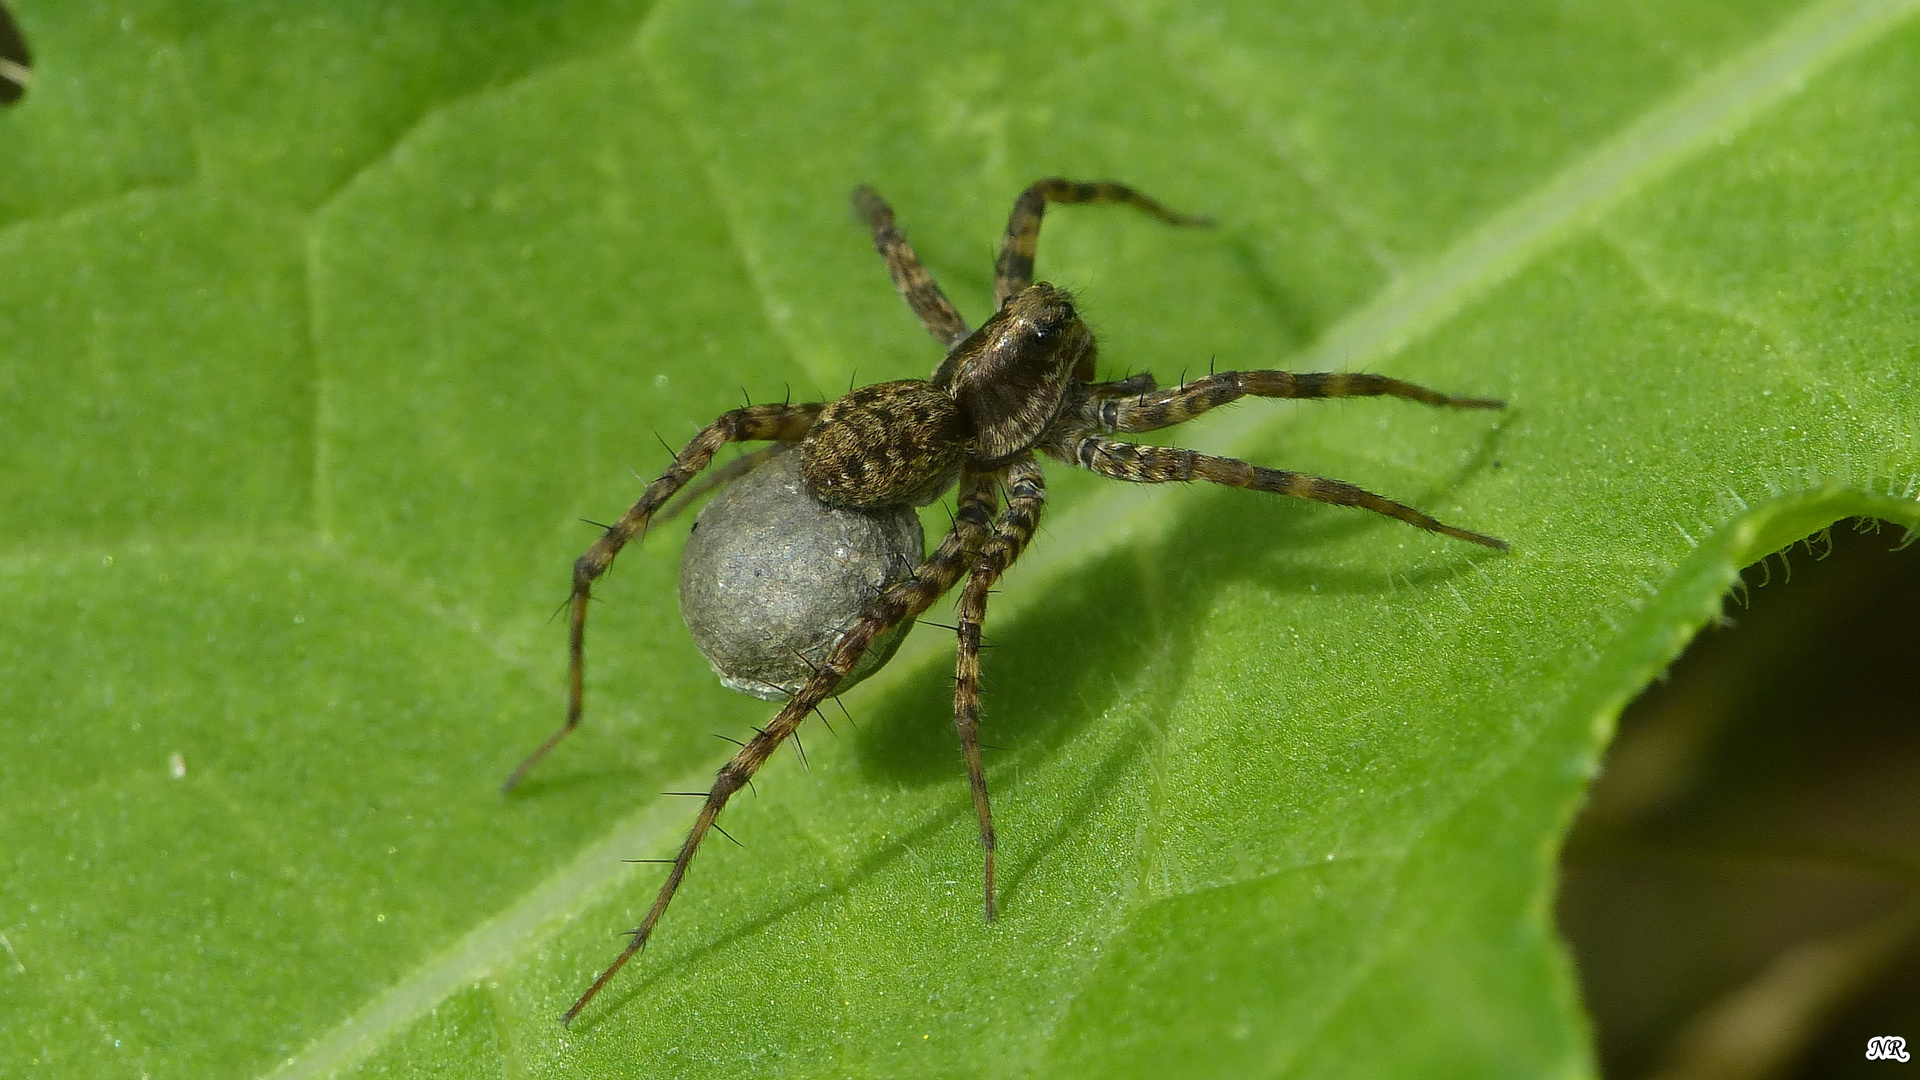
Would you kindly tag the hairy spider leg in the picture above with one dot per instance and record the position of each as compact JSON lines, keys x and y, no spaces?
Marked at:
{"x":1173,"y":464}
{"x":930,"y":581}
{"x":1131,"y":385}
{"x":1013,"y":270}
{"x":1026,"y":494}
{"x":910,"y":277}
{"x":719,"y":478}
{"x":785,"y":423}
{"x":1150,"y":409}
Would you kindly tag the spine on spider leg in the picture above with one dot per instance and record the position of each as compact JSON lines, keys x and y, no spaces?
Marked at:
{"x":1152,"y":410}
{"x":1130,"y":386}
{"x":718,"y":478}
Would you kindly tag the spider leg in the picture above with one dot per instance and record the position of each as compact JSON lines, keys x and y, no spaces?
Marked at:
{"x":1170,"y":464}
{"x":930,"y":581}
{"x":1026,"y":493}
{"x":719,"y":478}
{"x":910,"y":277}
{"x":1156,"y":409}
{"x":1131,"y":386}
{"x":780,"y":422}
{"x":1013,"y":271}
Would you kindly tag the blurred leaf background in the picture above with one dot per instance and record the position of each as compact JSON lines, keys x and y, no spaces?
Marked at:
{"x":321,"y":327}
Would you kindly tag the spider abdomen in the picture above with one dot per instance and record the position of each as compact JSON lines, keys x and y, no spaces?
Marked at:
{"x":889,"y":444}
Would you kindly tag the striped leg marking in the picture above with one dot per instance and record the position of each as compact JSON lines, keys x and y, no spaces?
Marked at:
{"x":1013,"y":271}
{"x":1173,"y":464}
{"x":1152,"y":409}
{"x":1026,"y":494}
{"x":910,"y":277}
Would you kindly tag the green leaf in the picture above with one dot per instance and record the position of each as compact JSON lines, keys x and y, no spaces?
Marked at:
{"x":318,"y":332}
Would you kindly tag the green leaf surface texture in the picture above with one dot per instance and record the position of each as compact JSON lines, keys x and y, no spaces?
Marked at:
{"x":321,"y":327}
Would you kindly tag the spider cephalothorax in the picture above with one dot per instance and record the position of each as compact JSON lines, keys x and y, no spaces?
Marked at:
{"x":991,"y":400}
{"x":1023,"y":384}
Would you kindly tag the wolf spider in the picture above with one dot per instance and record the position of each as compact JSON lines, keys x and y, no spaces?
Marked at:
{"x":1019,"y":386}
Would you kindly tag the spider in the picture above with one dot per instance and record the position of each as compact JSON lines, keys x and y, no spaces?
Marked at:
{"x":1020,"y":386}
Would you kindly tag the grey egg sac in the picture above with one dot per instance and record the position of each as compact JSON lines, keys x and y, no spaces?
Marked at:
{"x":771,"y":579}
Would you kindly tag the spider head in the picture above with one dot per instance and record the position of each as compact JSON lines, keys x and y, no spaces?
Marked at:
{"x":1010,"y":376}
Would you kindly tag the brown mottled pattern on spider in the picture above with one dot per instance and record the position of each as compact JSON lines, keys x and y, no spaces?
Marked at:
{"x":1011,"y":399}
{"x":1021,"y":384}
{"x":890,"y":444}
{"x":915,"y":285}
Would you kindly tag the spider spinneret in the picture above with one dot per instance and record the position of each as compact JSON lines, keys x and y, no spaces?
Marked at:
{"x":1021,"y":385}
